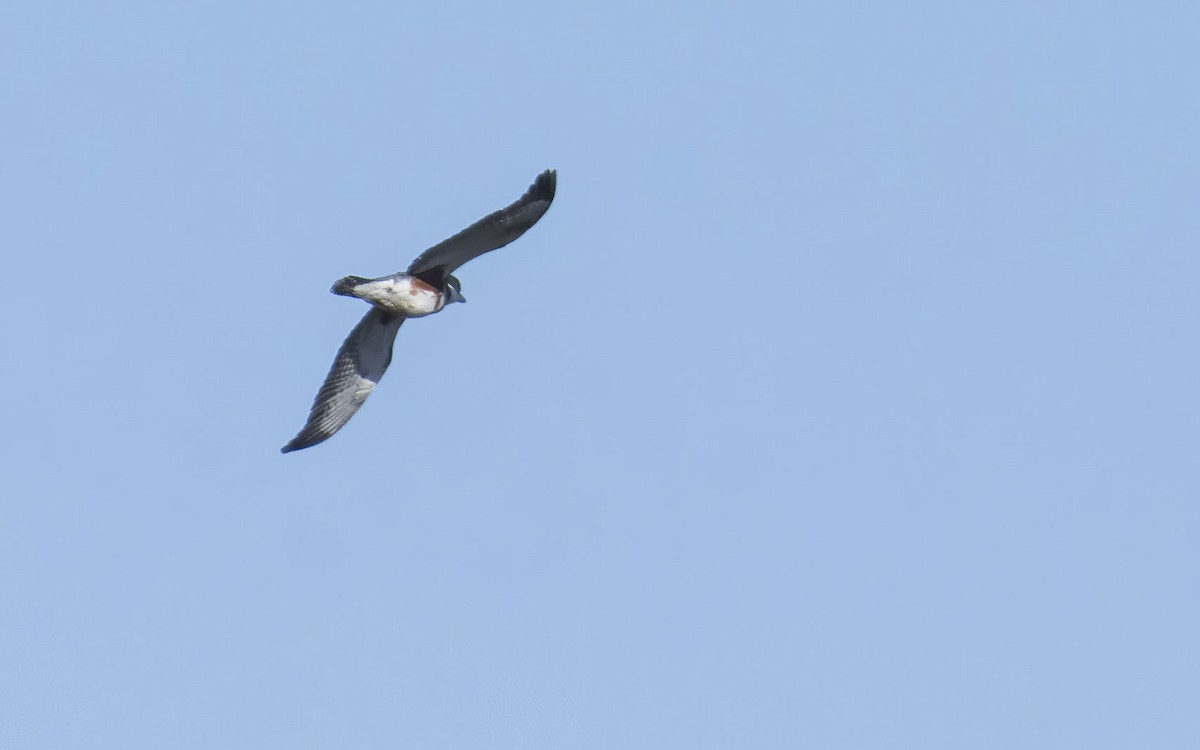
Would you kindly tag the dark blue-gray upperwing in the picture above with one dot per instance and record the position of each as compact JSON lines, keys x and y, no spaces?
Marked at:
{"x":492,"y":232}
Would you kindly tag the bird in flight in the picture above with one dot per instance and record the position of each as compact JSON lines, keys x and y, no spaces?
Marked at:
{"x":425,"y":288}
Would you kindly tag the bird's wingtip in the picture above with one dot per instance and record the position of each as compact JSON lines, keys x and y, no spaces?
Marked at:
{"x":545,"y":185}
{"x":297,"y":443}
{"x":305,"y":439}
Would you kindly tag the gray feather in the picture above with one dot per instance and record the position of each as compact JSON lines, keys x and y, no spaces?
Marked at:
{"x":357,"y":368}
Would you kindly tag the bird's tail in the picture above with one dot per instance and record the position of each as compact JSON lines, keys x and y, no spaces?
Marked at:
{"x":345,"y":286}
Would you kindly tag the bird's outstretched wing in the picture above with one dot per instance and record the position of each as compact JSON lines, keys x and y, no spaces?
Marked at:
{"x":360,"y":363}
{"x":489,"y":233}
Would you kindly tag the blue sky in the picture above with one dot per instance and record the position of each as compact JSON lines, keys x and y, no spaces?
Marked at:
{"x":846,"y":397}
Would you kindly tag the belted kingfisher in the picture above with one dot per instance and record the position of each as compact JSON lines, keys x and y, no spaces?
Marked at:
{"x":425,"y":288}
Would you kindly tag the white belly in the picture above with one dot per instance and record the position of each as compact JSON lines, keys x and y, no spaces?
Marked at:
{"x":403,"y":295}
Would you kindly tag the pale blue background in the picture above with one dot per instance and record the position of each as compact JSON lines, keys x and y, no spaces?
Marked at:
{"x":846,"y":397}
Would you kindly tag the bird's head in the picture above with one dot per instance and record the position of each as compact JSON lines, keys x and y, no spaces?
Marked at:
{"x":454,"y":290}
